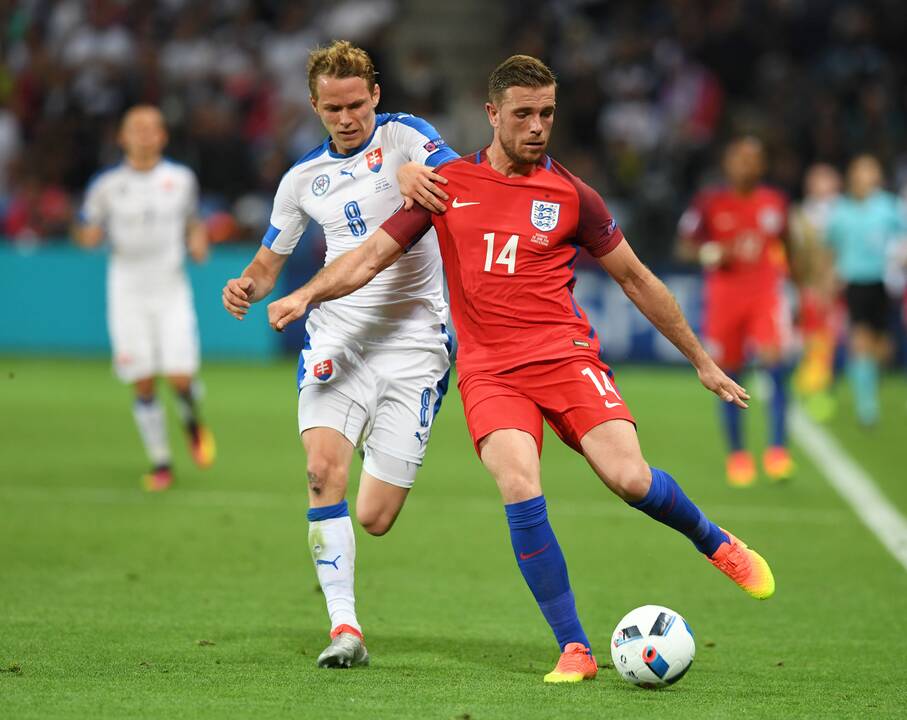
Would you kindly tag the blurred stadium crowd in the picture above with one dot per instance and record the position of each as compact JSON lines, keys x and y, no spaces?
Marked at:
{"x":649,"y":91}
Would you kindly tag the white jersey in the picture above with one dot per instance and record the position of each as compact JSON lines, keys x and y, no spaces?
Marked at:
{"x":144,"y":215}
{"x":350,"y":196}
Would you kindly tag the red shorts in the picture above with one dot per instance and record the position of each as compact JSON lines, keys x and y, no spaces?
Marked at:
{"x":573,"y":395}
{"x":735,"y":323}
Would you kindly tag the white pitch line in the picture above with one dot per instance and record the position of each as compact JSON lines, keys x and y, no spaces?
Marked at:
{"x":852,"y":483}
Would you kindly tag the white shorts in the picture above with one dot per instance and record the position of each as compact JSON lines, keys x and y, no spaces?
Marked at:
{"x":381,"y":396}
{"x":155,"y":333}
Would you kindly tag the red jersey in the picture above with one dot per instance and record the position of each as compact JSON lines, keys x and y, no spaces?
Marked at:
{"x":509,"y":246}
{"x":750,"y":227}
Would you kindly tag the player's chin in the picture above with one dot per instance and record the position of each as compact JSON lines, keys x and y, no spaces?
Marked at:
{"x":532,"y":152}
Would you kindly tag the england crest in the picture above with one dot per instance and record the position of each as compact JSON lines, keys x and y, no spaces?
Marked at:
{"x":374,"y":160}
{"x":544,"y":215}
{"x":324,"y":370}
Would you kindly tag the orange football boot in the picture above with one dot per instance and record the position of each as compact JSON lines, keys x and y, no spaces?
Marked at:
{"x":740,"y":468}
{"x":745,"y":567}
{"x":778,"y":463}
{"x":202,"y":446}
{"x":158,"y":480}
{"x":576,"y":664}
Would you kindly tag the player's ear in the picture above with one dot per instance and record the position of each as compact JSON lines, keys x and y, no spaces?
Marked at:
{"x":492,"y":113}
{"x":376,"y":95}
{"x":314,"y":101}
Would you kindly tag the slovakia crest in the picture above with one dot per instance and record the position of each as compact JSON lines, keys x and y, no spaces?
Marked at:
{"x":324,"y":369}
{"x":320,"y":185}
{"x":374,"y":160}
{"x":544,"y":215}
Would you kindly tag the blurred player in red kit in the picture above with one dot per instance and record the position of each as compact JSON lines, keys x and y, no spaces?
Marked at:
{"x":509,"y":240}
{"x":737,"y":233}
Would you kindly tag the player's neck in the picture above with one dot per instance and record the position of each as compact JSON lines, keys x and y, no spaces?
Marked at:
{"x":745,"y":190}
{"x":143,"y":164}
{"x":501,"y":162}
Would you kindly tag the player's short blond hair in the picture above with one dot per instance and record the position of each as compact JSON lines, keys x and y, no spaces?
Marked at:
{"x":340,"y":59}
{"x":519,"y":71}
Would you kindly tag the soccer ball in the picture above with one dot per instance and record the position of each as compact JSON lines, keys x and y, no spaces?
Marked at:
{"x":652,"y":646}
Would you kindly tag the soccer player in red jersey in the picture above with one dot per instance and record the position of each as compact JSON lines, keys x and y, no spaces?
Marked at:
{"x":509,"y":240}
{"x":737,"y":234}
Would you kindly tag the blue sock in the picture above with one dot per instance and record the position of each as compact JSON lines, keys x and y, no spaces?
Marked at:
{"x":543,"y":566}
{"x":864,"y":380}
{"x":730,"y":417}
{"x":778,"y":414}
{"x":328,"y":512}
{"x":668,"y":504}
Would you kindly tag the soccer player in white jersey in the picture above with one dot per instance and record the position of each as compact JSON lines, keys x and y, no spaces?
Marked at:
{"x":146,"y":207}
{"x":375,"y":365}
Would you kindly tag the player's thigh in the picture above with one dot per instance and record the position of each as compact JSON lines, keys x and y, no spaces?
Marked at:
{"x":131,"y":328}
{"x":379,"y":502}
{"x":575,"y":395}
{"x":724,"y":330}
{"x":512,"y":458}
{"x":411,"y":384}
{"x":176,"y":332}
{"x":770,"y":327}
{"x":336,"y":389}
{"x":490,"y":404}
{"x":612,"y":450}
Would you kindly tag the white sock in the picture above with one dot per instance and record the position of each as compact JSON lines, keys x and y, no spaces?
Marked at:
{"x":152,"y":425}
{"x":334,"y":552}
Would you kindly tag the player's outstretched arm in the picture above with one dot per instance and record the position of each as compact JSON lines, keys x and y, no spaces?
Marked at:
{"x":256,"y":281}
{"x":346,"y":274}
{"x":656,"y":302}
{"x":197,"y":240}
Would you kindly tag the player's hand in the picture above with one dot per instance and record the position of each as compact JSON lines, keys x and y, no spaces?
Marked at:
{"x":237,"y":296}
{"x":716,"y":380}
{"x":419,"y":184}
{"x":286,"y":310}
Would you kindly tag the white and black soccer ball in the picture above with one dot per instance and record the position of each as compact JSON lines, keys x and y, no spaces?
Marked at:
{"x":652,"y":646}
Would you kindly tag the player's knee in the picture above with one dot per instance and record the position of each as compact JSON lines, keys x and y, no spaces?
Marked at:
{"x":324,"y":474}
{"x":517,"y":482}
{"x":630,"y":480}
{"x":375,"y":521}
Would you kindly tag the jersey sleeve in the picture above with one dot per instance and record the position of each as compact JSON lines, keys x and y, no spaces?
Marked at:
{"x":288,"y":219}
{"x":419,"y":142}
{"x":191,"y":197}
{"x":596,"y":229}
{"x":94,"y":209}
{"x":408,"y":226}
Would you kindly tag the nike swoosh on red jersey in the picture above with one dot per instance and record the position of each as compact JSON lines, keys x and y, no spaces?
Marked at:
{"x":526,"y":556}
{"x":609,"y":404}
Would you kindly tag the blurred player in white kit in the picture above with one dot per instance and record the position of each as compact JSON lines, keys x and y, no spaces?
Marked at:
{"x":146,"y":207}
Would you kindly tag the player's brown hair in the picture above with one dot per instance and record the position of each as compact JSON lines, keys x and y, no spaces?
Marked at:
{"x":519,"y":71}
{"x":340,"y":59}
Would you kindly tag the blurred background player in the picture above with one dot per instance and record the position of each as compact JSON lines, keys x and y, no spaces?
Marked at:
{"x":864,"y":228}
{"x":375,"y":366}
{"x":146,"y":207}
{"x":527,"y":352}
{"x":813,"y":267}
{"x":737,"y":234}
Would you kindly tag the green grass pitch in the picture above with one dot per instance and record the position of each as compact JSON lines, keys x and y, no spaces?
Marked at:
{"x":202,"y":602}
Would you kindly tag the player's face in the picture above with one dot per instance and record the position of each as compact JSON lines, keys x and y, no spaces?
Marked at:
{"x":522,"y":121}
{"x":864,"y":176}
{"x":143,"y":135}
{"x":744,"y":163}
{"x":347,"y":109}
